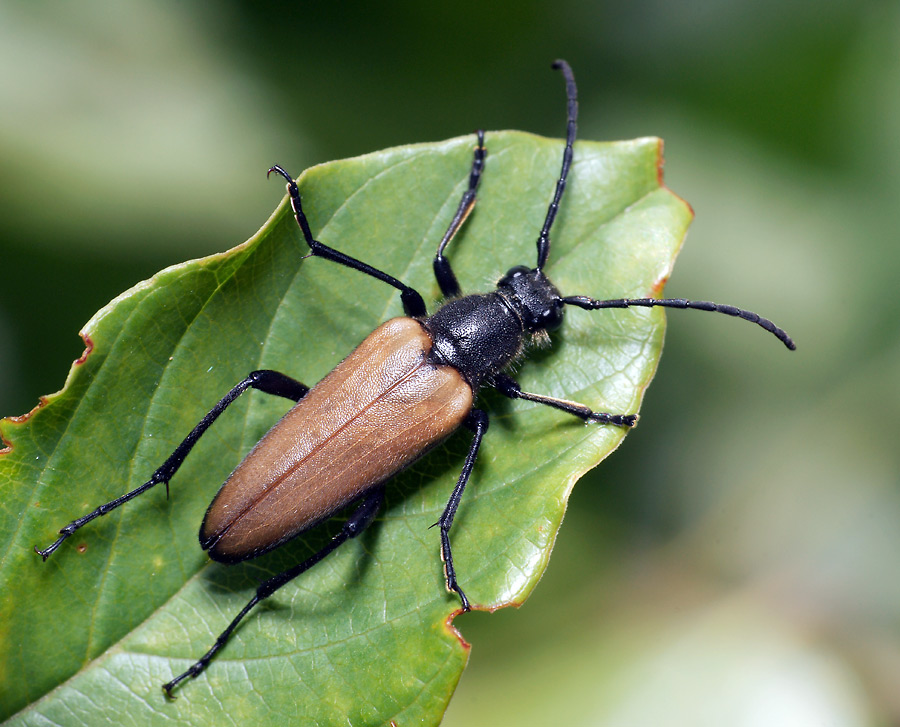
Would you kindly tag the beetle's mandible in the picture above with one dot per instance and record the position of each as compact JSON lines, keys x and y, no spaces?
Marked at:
{"x":410,"y":384}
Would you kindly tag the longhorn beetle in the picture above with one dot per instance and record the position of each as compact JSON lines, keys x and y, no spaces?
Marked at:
{"x":421,"y":372}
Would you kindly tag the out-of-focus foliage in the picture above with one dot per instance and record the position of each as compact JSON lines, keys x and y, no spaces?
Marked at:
{"x":731,"y":563}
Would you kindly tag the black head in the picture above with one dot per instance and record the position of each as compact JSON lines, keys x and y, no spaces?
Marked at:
{"x":534,"y":297}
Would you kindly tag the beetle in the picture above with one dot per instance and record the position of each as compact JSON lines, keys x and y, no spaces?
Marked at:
{"x":407,"y":387}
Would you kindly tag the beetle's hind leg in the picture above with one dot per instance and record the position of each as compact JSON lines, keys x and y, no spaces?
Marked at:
{"x":413,"y":304}
{"x":270,"y":382}
{"x":358,"y":521}
{"x":477,"y":421}
{"x":442,"y":271}
{"x":508,"y":386}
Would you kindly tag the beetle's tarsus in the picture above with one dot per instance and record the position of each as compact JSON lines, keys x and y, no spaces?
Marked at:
{"x":466,"y":606}
{"x":629,"y":421}
{"x":279,"y":170}
{"x":450,"y":578}
{"x":169,"y":686}
{"x":50,"y":549}
{"x":43,"y":553}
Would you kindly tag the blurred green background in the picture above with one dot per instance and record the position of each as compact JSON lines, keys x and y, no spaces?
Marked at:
{"x":736,"y":561}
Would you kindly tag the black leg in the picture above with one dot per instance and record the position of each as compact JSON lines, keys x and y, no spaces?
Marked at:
{"x":412,"y":301}
{"x":356,"y":523}
{"x":477,"y":421}
{"x":442,"y":270}
{"x":270,"y":382}
{"x":508,"y":386}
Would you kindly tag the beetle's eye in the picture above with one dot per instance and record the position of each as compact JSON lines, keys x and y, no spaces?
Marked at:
{"x":552,"y":317}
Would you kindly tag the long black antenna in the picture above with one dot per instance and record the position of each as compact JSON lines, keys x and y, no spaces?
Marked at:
{"x":729,"y":310}
{"x":543,"y":243}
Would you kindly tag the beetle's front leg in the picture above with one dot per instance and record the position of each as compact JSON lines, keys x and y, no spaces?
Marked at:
{"x":508,"y":386}
{"x":270,"y":382}
{"x":442,"y":271}
{"x":477,"y":421}
{"x":412,"y":301}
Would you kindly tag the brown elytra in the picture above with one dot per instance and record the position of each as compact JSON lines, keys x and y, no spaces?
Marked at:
{"x":381,"y":408}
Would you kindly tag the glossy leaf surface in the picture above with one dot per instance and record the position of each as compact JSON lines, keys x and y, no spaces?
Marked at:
{"x":364,"y":637}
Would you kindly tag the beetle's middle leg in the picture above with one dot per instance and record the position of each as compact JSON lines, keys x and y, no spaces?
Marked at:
{"x":447,"y":281}
{"x":477,"y":421}
{"x":358,"y":521}
{"x":267,"y":381}
{"x":413,"y":304}
{"x":508,"y":386}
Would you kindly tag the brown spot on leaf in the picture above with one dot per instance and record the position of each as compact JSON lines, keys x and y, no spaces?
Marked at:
{"x":657,"y":290}
{"x":455,"y":631}
{"x":88,"y":347}
{"x":660,"y":163}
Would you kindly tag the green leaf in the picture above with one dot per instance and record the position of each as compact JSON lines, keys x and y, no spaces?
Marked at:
{"x":364,"y":637}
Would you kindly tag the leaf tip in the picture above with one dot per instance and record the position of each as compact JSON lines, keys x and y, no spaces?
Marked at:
{"x":660,"y":176}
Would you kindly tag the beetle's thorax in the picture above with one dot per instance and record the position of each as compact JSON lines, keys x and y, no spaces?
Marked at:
{"x":480,"y":334}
